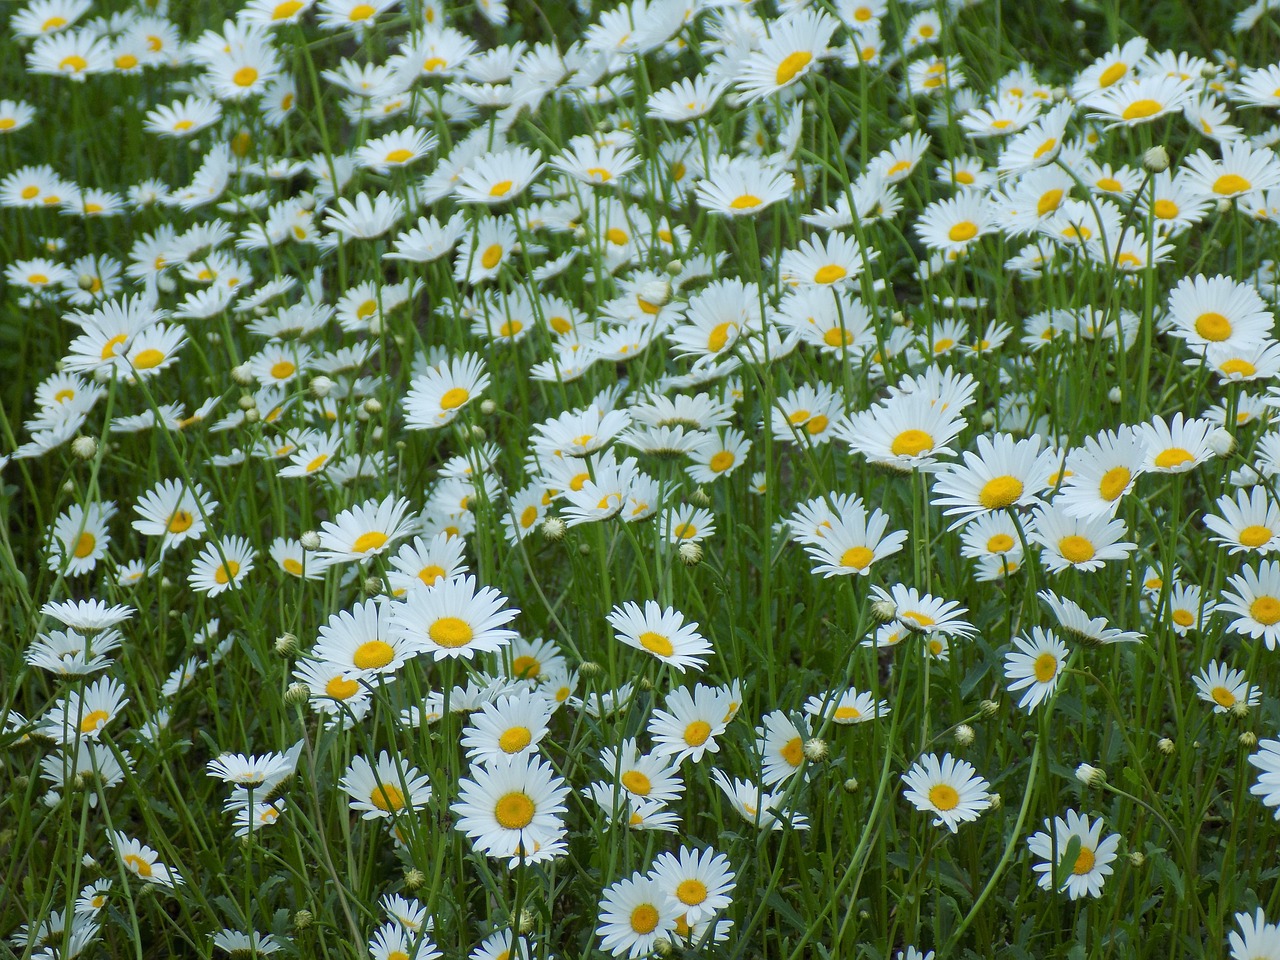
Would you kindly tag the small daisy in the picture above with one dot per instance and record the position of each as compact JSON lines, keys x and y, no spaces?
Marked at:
{"x":1035,"y":664}
{"x":634,"y":914}
{"x":1092,"y":861}
{"x":1249,"y":522}
{"x":362,"y":641}
{"x":509,"y":726}
{"x":385,"y":789}
{"x":1003,"y":474}
{"x":1189,"y":609}
{"x":363,"y":531}
{"x":173,"y":512}
{"x":698,"y":884}
{"x":437,"y":397}
{"x":222,"y":565}
{"x":780,"y":745}
{"x":949,"y":788}
{"x":846,"y":707}
{"x":794,"y":47}
{"x":79,"y":538}
{"x":660,"y":632}
{"x":1255,"y":602}
{"x":757,"y":806}
{"x":853,"y":541}
{"x":690,"y":723}
{"x":1177,"y":446}
{"x":644,"y":776}
{"x":923,"y":613}
{"x":1101,"y":473}
{"x":452,"y":619}
{"x":142,"y":861}
{"x":1225,"y":688}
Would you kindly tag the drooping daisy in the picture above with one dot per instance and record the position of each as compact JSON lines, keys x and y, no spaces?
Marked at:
{"x":660,"y":632}
{"x":510,"y":805}
{"x":924,"y":613}
{"x":1035,"y":664}
{"x":1039,"y":144}
{"x":363,"y":531}
{"x":452,"y":619}
{"x":1255,"y":602}
{"x":1093,"y":630}
{"x":948,"y":788}
{"x":758,"y":806}
{"x":222,"y":565}
{"x":385,"y":789}
{"x":1092,"y":863}
{"x":142,"y":861}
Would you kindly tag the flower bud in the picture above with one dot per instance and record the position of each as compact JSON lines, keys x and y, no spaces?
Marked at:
{"x":488,"y":407}
{"x":528,"y":920}
{"x":997,"y":801}
{"x":964,"y":735}
{"x":286,"y":645}
{"x":656,"y":293}
{"x":1166,"y":746}
{"x":302,"y":919}
{"x":1156,"y":160}
{"x":989,"y":708}
{"x":372,"y":585}
{"x":1136,"y":858}
{"x":690,"y":553}
{"x":310,"y":540}
{"x":247,"y":402}
{"x":241,"y":375}
{"x":699,"y":498}
{"x":815,"y":750}
{"x":589,"y":668}
{"x":674,"y":267}
{"x":1223,"y":205}
{"x":884,"y":610}
{"x":85,"y":282}
{"x":553,"y":528}
{"x":1090,"y":776}
{"x":851,"y":785}
{"x":252,"y":415}
{"x":373,"y":406}
{"x":1222,"y":441}
{"x":320,"y":386}
{"x":86,"y":448}
{"x":166,"y":283}
{"x":1248,"y":739}
{"x":414,"y":879}
{"x":297,"y":694}
{"x":1114,"y":395}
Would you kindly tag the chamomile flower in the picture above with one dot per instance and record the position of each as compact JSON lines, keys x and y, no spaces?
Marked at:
{"x":1225,"y":688}
{"x":386,"y":789}
{"x":395,"y":150}
{"x":835,"y":260}
{"x":660,"y":632}
{"x":1101,"y":473}
{"x":948,"y":788}
{"x":1035,"y":665}
{"x":1243,"y":169}
{"x":499,"y":176}
{"x":510,"y":805}
{"x":142,"y":861}
{"x":1255,"y":602}
{"x":452,"y":618}
{"x":1004,"y":473}
{"x":641,"y":776}
{"x":690,"y":723}
{"x":952,"y":225}
{"x":1218,"y":310}
{"x":222,"y":565}
{"x":1249,"y":522}
{"x":79,"y":538}
{"x":1177,"y":446}
{"x":437,"y":397}
{"x":362,"y":641}
{"x":173,"y":512}
{"x":1092,"y":862}
{"x":846,"y":707}
{"x":363,"y":531}
{"x":852,"y":541}
{"x":634,"y":914}
{"x":1189,"y":609}
{"x":906,"y":432}
{"x":795,"y":46}
{"x":924,"y":613}
{"x":742,"y":186}
{"x":1257,"y":939}
{"x":698,"y":884}
{"x":1141,"y":100}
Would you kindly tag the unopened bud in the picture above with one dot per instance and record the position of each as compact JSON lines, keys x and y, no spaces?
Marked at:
{"x":297,"y":694}
{"x":414,"y":879}
{"x":1239,"y":709}
{"x":69,"y":487}
{"x":584,"y":548}
{"x":674,"y":267}
{"x":247,"y":402}
{"x":373,"y":406}
{"x":884,"y":610}
{"x":1166,"y":746}
{"x":1114,"y":395}
{"x":302,"y":919}
{"x":310,"y":540}
{"x":909,"y":122}
{"x":85,"y":282}
{"x":1223,"y":205}
{"x":241,"y":375}
{"x":166,"y":284}
{"x":589,"y":668}
{"x":690,"y":553}
{"x":372,"y":585}
{"x":488,"y":407}
{"x":1248,"y":739}
{"x":655,"y":292}
{"x":699,"y":498}
{"x":1136,"y":858}
{"x":663,"y":947}
{"x":1222,"y":441}
{"x":1156,"y":159}
{"x":86,"y":448}
{"x":997,"y":801}
{"x":815,"y":750}
{"x":553,"y":528}
{"x":1090,"y":776}
{"x":477,"y":433}
{"x":964,"y":735}
{"x":286,"y":644}
{"x":851,"y":785}
{"x":320,"y":386}
{"x":528,"y":919}
{"x":252,"y":415}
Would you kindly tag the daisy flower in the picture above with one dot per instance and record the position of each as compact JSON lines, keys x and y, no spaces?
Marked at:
{"x":846,"y":707}
{"x":1072,"y":542}
{"x":948,"y":788}
{"x":1243,"y":169}
{"x":1225,"y":688}
{"x":794,"y":47}
{"x":1093,"y":858}
{"x":742,"y":186}
{"x":1072,"y":618}
{"x":645,"y":776}
{"x":717,"y":456}
{"x":437,"y":397}
{"x":395,"y":150}
{"x":1188,"y":608}
{"x":689,"y":724}
{"x":452,"y":619}
{"x":593,"y":163}
{"x":79,"y":538}
{"x":1109,"y":69}
{"x":1141,"y":101}
{"x":906,"y":432}
{"x":1039,"y":144}
{"x":1101,"y":473}
{"x":780,"y":744}
{"x":84,"y":714}
{"x":1177,"y":446}
{"x":838,"y":259}
{"x":363,"y":531}
{"x":634,"y":914}
{"x":1255,"y":602}
{"x":686,"y":99}
{"x":950,"y":226}
{"x":364,"y":219}
{"x":1250,"y":521}
{"x":499,"y":176}
{"x":222,"y":565}
{"x":362,"y":641}
{"x":510,"y":805}
{"x":1035,"y":664}
{"x":509,"y":726}
{"x":758,"y":806}
{"x":1257,"y":938}
{"x":385,"y":789}
{"x":142,"y":861}
{"x":924,"y":613}
{"x":697,"y":884}
{"x":852,"y":541}
{"x":1003,"y":474}
{"x":660,"y":632}
{"x":173,"y":512}
{"x":1218,"y":310}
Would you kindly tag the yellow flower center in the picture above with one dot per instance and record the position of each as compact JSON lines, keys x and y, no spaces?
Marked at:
{"x":859,"y":558}
{"x":684,"y":531}
{"x":226,"y":572}
{"x":369,"y":541}
{"x":1255,"y":535}
{"x":137,"y":865}
{"x":387,"y":798}
{"x":1046,"y":667}
{"x":944,"y":796}
{"x":1237,"y":366}
{"x":1266,"y":610}
{"x":656,"y":644}
{"x":817,"y":424}
{"x":1173,"y":457}
{"x":1112,"y":74}
{"x":1113,"y":483}
{"x":373,"y":654}
{"x":1000,"y":543}
{"x":1223,"y":697}
{"x":526,"y":667}
{"x":1141,"y":109}
{"x":361,"y":11}
{"x":745,"y":202}
{"x":244,"y":77}
{"x":721,"y":461}
{"x":341,"y":688}
{"x":1230,"y":184}
{"x":696,"y":733}
{"x":1045,"y":147}
{"x":791,"y":65}
{"x":180,"y":521}
{"x":1184,"y":618}
{"x":292,"y":566}
{"x":453,"y":398}
{"x":835,"y":337}
{"x":1000,"y":492}
{"x":492,"y":254}
{"x":793,"y":751}
{"x":637,"y":783}
{"x":93,"y":720}
{"x":399,"y":156}
{"x":514,"y":811}
{"x":1076,"y":549}
{"x":146,"y":359}
{"x":911,"y":443}
{"x":1213,"y":326}
{"x":691,"y":892}
{"x":126,"y":61}
{"x":962,"y":231}
{"x":830,"y":273}
{"x":73,"y":63}
{"x":451,"y":632}
{"x":515,"y":739}
{"x":847,"y":713}
{"x":720,"y":336}
{"x":282,"y":369}
{"x":528,"y":517}
{"x":1165,"y":209}
{"x":84,"y":545}
{"x":1084,"y":862}
{"x":432,"y":64}
{"x":285,"y":10}
{"x":53,"y":23}
{"x":644,"y":918}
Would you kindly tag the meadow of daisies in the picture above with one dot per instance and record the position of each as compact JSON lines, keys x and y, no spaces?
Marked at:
{"x":690,"y":478}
